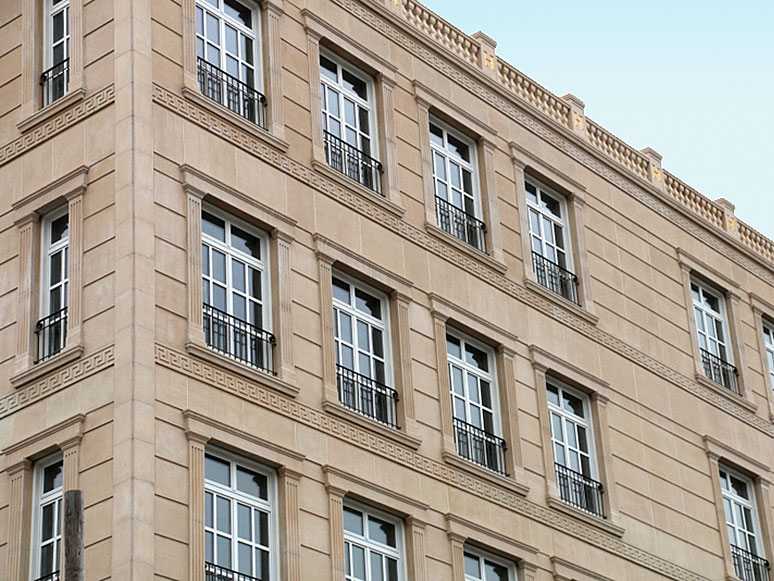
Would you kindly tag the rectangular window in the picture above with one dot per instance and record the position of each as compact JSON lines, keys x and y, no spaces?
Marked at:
{"x":47,"y":519}
{"x":712,"y":327}
{"x":573,"y":444}
{"x":483,"y":566}
{"x":239,"y":529}
{"x":235,"y":291}
{"x":743,"y":526}
{"x":455,"y":179}
{"x":56,"y":56}
{"x":550,"y":241}
{"x":475,"y":407}
{"x":768,"y":339}
{"x":348,"y":122}
{"x":228,"y":56}
{"x":362,"y":343}
{"x":51,"y":329}
{"x":373,"y":545}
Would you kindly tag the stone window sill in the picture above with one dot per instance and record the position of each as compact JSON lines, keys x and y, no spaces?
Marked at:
{"x":704,"y":381}
{"x":453,"y":459}
{"x":42,"y":115}
{"x":560,"y":301}
{"x":605,"y":524}
{"x":336,"y":409}
{"x":38,"y":370}
{"x":466,"y":248}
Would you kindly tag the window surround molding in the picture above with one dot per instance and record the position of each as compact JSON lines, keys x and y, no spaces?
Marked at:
{"x":269,"y":43}
{"x":64,"y":436}
{"x":502,"y":343}
{"x":33,"y":114}
{"x":199,"y":188}
{"x":331,"y":256}
{"x":759,"y":474}
{"x":568,"y":571}
{"x":598,"y":391}
{"x":525,"y":163}
{"x":461,"y":531}
{"x":204,"y":433}
{"x":384,"y":76}
{"x":730,"y":291}
{"x":431,"y":104}
{"x":28,"y":216}
{"x":763,"y":314}
{"x":342,"y":485}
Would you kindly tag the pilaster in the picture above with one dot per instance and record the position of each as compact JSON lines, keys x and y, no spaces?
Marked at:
{"x":272,"y":12}
{"x":289,"y":516}
{"x":20,"y":492}
{"x":196,"y":517}
{"x":24,"y":294}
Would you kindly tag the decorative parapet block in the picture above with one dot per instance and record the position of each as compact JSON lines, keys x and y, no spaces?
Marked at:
{"x":436,"y":27}
{"x":693,"y":200}
{"x":730,"y":224}
{"x":577,"y":115}
{"x":656,"y":173}
{"x":487,"y":59}
{"x":608,"y":143}
{"x":533,"y":93}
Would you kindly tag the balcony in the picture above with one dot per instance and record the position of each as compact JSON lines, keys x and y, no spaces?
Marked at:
{"x":233,"y":94}
{"x":555,"y":278}
{"x":479,"y":446}
{"x":748,"y":566}
{"x":239,"y":339}
{"x":367,"y":396}
{"x":353,"y":163}
{"x":720,"y":371}
{"x":214,"y":572}
{"x":51,"y":334}
{"x":50,"y":577}
{"x":579,"y":491}
{"x":53,"y":81}
{"x":460,"y":224}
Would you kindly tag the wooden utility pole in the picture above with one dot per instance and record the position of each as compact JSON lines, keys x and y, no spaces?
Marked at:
{"x":73,"y":536}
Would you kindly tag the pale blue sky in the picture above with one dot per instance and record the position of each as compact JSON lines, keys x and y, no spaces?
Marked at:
{"x":692,"y":79}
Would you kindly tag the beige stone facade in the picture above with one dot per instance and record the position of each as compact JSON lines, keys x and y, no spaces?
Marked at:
{"x":149,"y":394}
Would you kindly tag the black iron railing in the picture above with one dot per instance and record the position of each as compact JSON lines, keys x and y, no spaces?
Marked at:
{"x":749,"y":566}
{"x":367,"y":396}
{"x":51,"y":334}
{"x":238,"y":339}
{"x":50,"y":577}
{"x":479,"y":446}
{"x":459,"y":223}
{"x":232,"y":93}
{"x":213,"y":572}
{"x":352,"y":162}
{"x":555,"y":278}
{"x":53,"y":81}
{"x":580,"y":491}
{"x":720,"y":371}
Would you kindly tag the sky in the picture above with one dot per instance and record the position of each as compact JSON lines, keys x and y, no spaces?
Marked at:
{"x":692,"y":79}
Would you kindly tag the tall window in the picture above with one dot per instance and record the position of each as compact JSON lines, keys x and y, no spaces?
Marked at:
{"x":482,"y":566}
{"x":458,"y":204}
{"x":57,"y":50}
{"x":363,"y":363}
{"x":235,"y":290}
{"x":227,"y":33}
{"x":474,"y":402}
{"x":768,"y":339}
{"x":51,"y":329}
{"x":571,"y":436}
{"x":711,"y":325}
{"x":551,"y":254}
{"x":373,"y":545}
{"x":742,"y":524}
{"x":239,"y":527}
{"x":348,"y":127}
{"x":47,"y":519}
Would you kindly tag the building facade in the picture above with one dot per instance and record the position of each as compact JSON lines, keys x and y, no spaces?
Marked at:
{"x":327,"y":290}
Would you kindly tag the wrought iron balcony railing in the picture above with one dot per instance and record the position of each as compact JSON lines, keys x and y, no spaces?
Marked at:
{"x":50,"y":577}
{"x":51,"y":334}
{"x":54,"y":81}
{"x":720,"y":371}
{"x":749,"y":566}
{"x":213,"y":572}
{"x":479,"y":446}
{"x":459,"y":223}
{"x":352,"y":162}
{"x":238,"y":339}
{"x":367,"y":396}
{"x":580,"y":491}
{"x":555,"y":278}
{"x":227,"y":90}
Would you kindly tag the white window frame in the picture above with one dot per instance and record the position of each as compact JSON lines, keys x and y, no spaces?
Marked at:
{"x":270,"y":505}
{"x":224,"y":19}
{"x":566,"y":417}
{"x":47,"y":251}
{"x":484,"y":556}
{"x":471,"y":166}
{"x":51,"y":12}
{"x":709,"y":315}
{"x":768,"y":342}
{"x":543,"y":214}
{"x":55,"y":496}
{"x":398,"y":553}
{"x":729,"y":497}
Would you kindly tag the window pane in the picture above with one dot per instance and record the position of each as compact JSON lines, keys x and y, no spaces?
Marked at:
{"x":358,"y":563}
{"x":58,"y":28}
{"x":453,"y":347}
{"x":47,"y":559}
{"x":223,"y":511}
{"x":244,"y":522}
{"x":238,"y":12}
{"x":261,"y":527}
{"x":217,"y":470}
{"x":362,"y":336}
{"x":254,"y":282}
{"x":381,"y":532}
{"x":353,"y":521}
{"x":238,"y":275}
{"x":213,"y":29}
{"x":573,"y":404}
{"x":47,"y":522}
{"x":232,"y":44}
{"x":59,"y":229}
{"x":354,"y":84}
{"x":52,"y":477}
{"x":377,"y":344}
{"x":392,"y":569}
{"x":472,"y":566}
{"x":328,"y":69}
{"x":340,"y":290}
{"x":552,"y":205}
{"x":262,"y":564}
{"x":368,"y":304}
{"x":244,"y":242}
{"x":440,"y":166}
{"x":219,"y":266}
{"x":476,"y":357}
{"x":457,"y":147}
{"x":208,"y":548}
{"x":436,"y":135}
{"x":244,"y":559}
{"x":495,"y":572}
{"x":208,"y":509}
{"x":456,"y":380}
{"x":213,"y":226}
{"x":377,"y":568}
{"x":224,"y":551}
{"x":345,"y":327}
{"x":252,"y":483}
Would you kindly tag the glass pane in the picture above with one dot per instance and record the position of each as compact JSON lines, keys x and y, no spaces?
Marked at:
{"x":252,"y":483}
{"x":495,"y":572}
{"x":453,"y":347}
{"x":458,"y":147}
{"x":439,"y":163}
{"x":345,"y":327}
{"x":333,"y":103}
{"x":224,"y":552}
{"x":381,"y":531}
{"x":364,"y":364}
{"x":377,"y":344}
{"x":363,"y":118}
{"x":473,"y":388}
{"x":392,"y":569}
{"x":199,"y":21}
{"x":358,"y":562}
{"x":459,"y":409}
{"x":456,"y":380}
{"x":213,"y":29}
{"x":244,"y":559}
{"x":349,"y":112}
{"x":218,"y":266}
{"x":58,"y":28}
{"x":254,"y":282}
{"x":476,"y":357}
{"x":436,"y":135}
{"x":208,"y":509}
{"x":205,"y":260}
{"x":353,"y":521}
{"x":52,"y":477}
{"x":340,"y":290}
{"x":573,"y":404}
{"x":583,"y":441}
{"x":472,"y":566}
{"x":362,"y":336}
{"x":232,"y":44}
{"x":354,"y":84}
{"x":552,"y":205}
{"x":368,"y":304}
{"x":238,"y":12}
{"x":262,"y":564}
{"x":238,"y":275}
{"x":47,"y":559}
{"x":55,"y":300}
{"x":208,"y":548}
{"x":328,"y":69}
{"x":246,"y":243}
{"x":213,"y":226}
{"x":377,"y":568}
{"x":556,"y":428}
{"x":244,"y":522}
{"x":219,"y":297}
{"x":467,"y":182}
{"x":59,"y":229}
{"x":247,"y":53}
{"x":531,"y":192}
{"x":261,"y":527}
{"x":553,"y":395}
{"x":223,"y":512}
{"x":48,"y":523}
{"x":217,"y":470}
